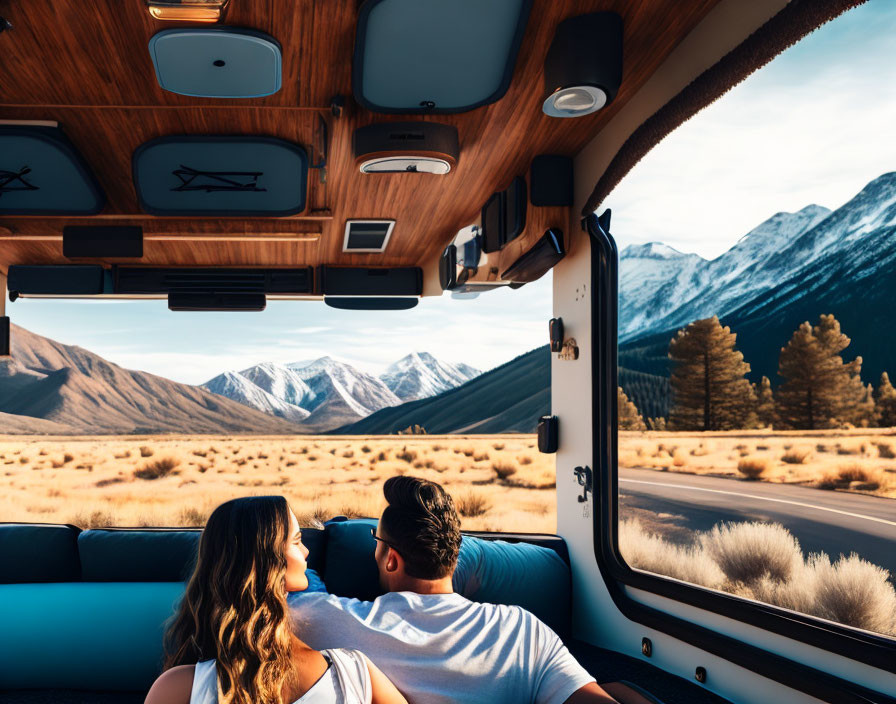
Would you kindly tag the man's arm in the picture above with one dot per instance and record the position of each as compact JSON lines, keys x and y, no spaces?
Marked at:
{"x":591,"y":693}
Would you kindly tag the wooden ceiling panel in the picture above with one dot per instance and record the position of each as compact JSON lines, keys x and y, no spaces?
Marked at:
{"x":104,"y":93}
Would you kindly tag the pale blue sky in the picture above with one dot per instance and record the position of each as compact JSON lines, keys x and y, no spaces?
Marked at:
{"x":812,"y":127}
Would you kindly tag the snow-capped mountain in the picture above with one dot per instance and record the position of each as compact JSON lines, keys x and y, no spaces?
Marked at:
{"x":792,"y":268}
{"x":420,"y":375}
{"x":239,"y":388}
{"x":662,"y":288}
{"x":326,"y":393}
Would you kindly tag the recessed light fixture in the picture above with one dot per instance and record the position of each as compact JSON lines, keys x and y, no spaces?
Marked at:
{"x":583,"y":67}
{"x":188,"y":10}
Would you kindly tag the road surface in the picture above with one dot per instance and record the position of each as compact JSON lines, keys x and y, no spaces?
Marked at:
{"x":834,"y":522}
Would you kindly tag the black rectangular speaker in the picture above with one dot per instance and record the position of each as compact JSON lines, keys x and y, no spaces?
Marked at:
{"x":102,"y":241}
{"x":54,"y":280}
{"x":211,"y":302}
{"x":551,"y":181}
{"x":4,"y":336}
{"x":351,"y":281}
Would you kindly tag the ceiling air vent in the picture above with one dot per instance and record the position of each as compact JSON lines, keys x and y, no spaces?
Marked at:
{"x":367,"y":235}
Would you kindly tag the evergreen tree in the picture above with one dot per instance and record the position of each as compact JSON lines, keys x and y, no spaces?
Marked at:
{"x":629,"y":418}
{"x":885,"y":396}
{"x":765,"y":403}
{"x":709,"y":388}
{"x":819,"y":390}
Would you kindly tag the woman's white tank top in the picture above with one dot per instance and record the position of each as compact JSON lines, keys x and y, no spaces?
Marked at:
{"x":346,"y":681}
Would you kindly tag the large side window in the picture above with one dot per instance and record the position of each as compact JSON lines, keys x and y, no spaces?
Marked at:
{"x":756,"y":338}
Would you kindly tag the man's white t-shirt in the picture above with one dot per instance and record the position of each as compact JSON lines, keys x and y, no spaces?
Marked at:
{"x":445,"y":648}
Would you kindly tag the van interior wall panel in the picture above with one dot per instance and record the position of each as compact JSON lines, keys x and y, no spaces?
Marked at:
{"x":108,"y":102}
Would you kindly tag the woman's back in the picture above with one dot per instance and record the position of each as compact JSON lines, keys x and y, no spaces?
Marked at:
{"x":345,"y":681}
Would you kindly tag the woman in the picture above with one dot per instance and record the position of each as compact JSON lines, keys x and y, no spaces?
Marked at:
{"x":234,"y":610}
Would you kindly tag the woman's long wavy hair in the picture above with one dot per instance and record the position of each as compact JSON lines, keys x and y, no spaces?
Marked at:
{"x":234,"y":608}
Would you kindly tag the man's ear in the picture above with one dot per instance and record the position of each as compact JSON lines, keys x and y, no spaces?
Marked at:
{"x":394,"y":563}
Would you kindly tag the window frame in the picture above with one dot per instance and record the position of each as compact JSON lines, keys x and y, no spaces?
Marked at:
{"x":867,"y":648}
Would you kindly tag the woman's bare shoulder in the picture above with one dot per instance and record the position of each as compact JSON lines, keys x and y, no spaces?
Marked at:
{"x":173,"y":686}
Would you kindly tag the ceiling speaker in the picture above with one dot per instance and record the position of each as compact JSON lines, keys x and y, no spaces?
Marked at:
{"x":406,"y":147}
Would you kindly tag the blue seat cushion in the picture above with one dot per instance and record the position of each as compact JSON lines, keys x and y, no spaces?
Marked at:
{"x":137,"y":555}
{"x":84,"y":635}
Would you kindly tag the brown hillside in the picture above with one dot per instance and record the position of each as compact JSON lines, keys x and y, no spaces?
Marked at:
{"x":68,"y":385}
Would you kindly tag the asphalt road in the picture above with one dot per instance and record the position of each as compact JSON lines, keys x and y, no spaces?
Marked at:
{"x":823,"y":521}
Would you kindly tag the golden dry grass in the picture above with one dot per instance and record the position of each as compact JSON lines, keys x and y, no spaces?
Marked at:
{"x":501,"y":482}
{"x":811,"y":458}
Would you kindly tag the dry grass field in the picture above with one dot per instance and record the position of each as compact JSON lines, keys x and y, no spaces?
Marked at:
{"x":862,"y":460}
{"x":499,"y":482}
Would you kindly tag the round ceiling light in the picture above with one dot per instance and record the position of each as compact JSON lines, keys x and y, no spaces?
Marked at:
{"x":574,"y":101}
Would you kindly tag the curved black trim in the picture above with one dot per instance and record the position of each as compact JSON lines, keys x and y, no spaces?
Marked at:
{"x":56,"y":137}
{"x":357,"y":68}
{"x":875,"y":651}
{"x":226,"y":139}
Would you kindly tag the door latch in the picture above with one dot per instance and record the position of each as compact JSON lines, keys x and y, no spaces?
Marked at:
{"x":584,"y":478}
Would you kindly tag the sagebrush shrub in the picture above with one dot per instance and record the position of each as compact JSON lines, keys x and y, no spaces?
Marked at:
{"x":853,"y":591}
{"x":161,"y":467}
{"x":797,"y":455}
{"x":753,"y":467}
{"x":471,"y":505}
{"x":649,"y":552}
{"x":748,"y":552}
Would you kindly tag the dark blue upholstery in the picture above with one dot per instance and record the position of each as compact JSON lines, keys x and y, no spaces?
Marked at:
{"x":38,"y":553}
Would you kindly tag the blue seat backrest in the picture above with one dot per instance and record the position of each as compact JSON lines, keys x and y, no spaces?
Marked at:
{"x":38,"y":553}
{"x":493,"y":571}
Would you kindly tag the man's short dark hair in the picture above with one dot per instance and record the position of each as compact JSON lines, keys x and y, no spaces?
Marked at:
{"x":422,"y":525}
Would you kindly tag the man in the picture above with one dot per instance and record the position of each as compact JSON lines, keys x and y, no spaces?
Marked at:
{"x":435,"y":645}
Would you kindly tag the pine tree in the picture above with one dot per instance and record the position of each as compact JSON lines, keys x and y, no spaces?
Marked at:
{"x":765,"y":403}
{"x":629,"y":418}
{"x":709,"y":388}
{"x":885,"y":396}
{"x":819,"y":389}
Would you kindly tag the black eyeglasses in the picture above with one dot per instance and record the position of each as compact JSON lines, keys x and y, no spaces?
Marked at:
{"x":383,"y":540}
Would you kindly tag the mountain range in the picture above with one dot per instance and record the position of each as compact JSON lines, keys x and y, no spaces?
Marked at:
{"x":326,"y":393}
{"x":791,"y":268}
{"x":49,"y":387}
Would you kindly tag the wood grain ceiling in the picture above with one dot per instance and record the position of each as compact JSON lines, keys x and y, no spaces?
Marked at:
{"x":86,"y":65}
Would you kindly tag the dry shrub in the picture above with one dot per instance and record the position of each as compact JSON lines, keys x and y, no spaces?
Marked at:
{"x":759,"y":448}
{"x":67,"y":457}
{"x":472,"y":505}
{"x":54,"y":493}
{"x":821,"y":447}
{"x":94,"y":519}
{"x":480,"y":457}
{"x":797,"y":455}
{"x":406,"y":455}
{"x":382,"y":457}
{"x":146,"y":451}
{"x":192,"y":517}
{"x":748,"y":552}
{"x":108,"y":482}
{"x":524,"y":460}
{"x":122,"y":455}
{"x":849,"y":449}
{"x":161,"y":467}
{"x":200,"y":453}
{"x":348,"y":453}
{"x":56,"y":464}
{"x":498,"y":446}
{"x":312,"y":458}
{"x":366,"y":448}
{"x":853,"y":591}
{"x":504,"y":470}
{"x":651,"y":553}
{"x":467,"y":451}
{"x":23,"y":460}
{"x":352,"y":511}
{"x":852,"y":476}
{"x":753,"y":467}
{"x":43,"y":453}
{"x":885,"y":450}
{"x":291,"y":463}
{"x":679,"y":459}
